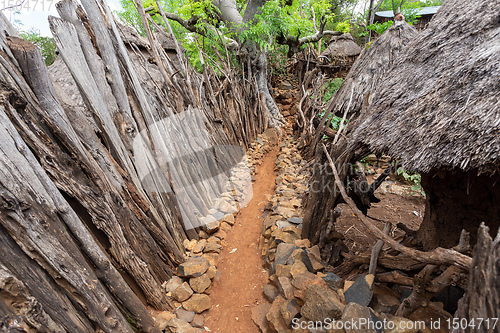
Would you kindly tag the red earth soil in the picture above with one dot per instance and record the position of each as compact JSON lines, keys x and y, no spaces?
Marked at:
{"x":242,"y":276}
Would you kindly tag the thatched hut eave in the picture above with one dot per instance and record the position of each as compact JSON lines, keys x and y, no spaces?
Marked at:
{"x":439,"y":106}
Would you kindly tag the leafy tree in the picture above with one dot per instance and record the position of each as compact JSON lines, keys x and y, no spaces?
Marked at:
{"x":387,"y":4}
{"x":379,"y":28}
{"x":245,"y":32}
{"x":45,"y":44}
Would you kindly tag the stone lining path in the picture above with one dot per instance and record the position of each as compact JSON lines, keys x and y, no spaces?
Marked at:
{"x":241,"y":274}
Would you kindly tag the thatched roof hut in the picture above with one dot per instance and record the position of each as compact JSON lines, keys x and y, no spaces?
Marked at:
{"x":335,"y":61}
{"x":363,"y":79}
{"x":366,"y":73}
{"x":371,"y":65}
{"x":438,"y":110}
{"x":341,"y":46}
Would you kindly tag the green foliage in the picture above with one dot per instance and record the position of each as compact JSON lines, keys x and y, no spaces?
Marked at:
{"x":411,"y":15}
{"x":379,"y":28}
{"x":279,"y":19}
{"x":387,"y":4}
{"x":193,"y":43}
{"x":333,"y":121}
{"x":429,"y":3}
{"x":210,"y":45}
{"x":202,"y":9}
{"x":410,"y":11}
{"x":324,"y":94}
{"x":130,"y":16}
{"x":331,"y":86}
{"x":414,"y":179}
{"x":194,"y":54}
{"x":276,"y":60}
{"x":45,"y":44}
{"x":342,"y":9}
{"x":212,"y":52}
{"x":344,"y":27}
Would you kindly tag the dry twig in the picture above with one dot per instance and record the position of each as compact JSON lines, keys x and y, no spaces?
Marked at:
{"x":376,"y":250}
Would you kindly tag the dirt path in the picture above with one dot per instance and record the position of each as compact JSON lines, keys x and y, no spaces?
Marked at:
{"x":241,"y":274}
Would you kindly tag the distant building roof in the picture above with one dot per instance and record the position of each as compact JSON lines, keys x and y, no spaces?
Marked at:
{"x":423,"y":11}
{"x":342,"y":46}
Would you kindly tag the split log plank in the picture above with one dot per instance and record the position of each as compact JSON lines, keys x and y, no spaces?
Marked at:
{"x":482,"y":297}
{"x":42,"y":235}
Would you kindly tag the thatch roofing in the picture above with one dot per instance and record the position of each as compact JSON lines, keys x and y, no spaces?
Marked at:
{"x":167,"y":41}
{"x":130,"y":35}
{"x":365,"y":75}
{"x":439,"y":106}
{"x":343,"y":45}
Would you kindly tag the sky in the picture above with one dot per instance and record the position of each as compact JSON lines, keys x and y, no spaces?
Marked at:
{"x":34,"y":13}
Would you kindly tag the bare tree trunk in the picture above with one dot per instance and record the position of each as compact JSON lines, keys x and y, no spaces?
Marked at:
{"x":229,"y":12}
{"x":371,"y":18}
{"x":368,"y":20}
{"x":375,"y":10}
{"x":258,"y":58}
{"x":274,"y":115}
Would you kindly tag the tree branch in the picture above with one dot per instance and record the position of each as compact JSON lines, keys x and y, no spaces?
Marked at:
{"x":401,"y":5}
{"x":377,"y":7}
{"x":190,"y":25}
{"x":294,"y":42}
{"x":376,"y":250}
{"x":370,"y":12}
{"x":317,"y":36}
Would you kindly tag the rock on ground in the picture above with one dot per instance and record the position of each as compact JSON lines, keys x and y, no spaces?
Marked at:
{"x":194,"y":267}
{"x":197,"y":303}
{"x":259,"y":317}
{"x":360,"y":291}
{"x":321,"y":303}
{"x":200,"y":284}
{"x":183,"y":292}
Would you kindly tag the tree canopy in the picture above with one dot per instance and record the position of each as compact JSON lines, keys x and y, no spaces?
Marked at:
{"x":200,"y":25}
{"x":274,"y":26}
